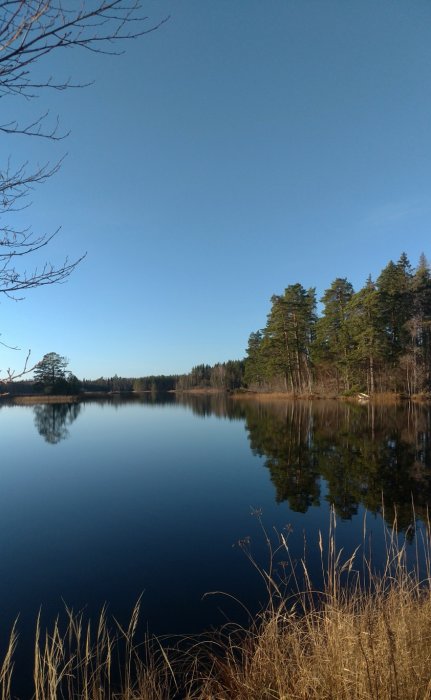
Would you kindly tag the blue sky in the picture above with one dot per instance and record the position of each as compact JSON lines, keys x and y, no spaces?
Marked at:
{"x":242,"y":147}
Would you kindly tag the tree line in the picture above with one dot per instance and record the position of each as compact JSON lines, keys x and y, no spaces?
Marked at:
{"x":223,"y":376}
{"x":51,"y":377}
{"x":376,"y":339}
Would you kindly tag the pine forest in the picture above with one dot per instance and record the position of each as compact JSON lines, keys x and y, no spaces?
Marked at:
{"x":374,"y":340}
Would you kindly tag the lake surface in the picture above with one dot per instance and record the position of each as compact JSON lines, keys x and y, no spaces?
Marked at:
{"x":105,"y":501}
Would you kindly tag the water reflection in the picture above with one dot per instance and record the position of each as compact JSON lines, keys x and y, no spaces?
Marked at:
{"x":217,"y":404}
{"x":343,"y":453}
{"x":148,"y":399}
{"x":158,"y":490}
{"x":367,"y":455}
{"x":377,"y":456}
{"x":52,"y":420}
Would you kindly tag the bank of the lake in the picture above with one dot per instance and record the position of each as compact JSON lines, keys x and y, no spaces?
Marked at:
{"x":377,"y":398}
{"x":33,"y":399}
{"x":253,"y":395}
{"x":240,"y":394}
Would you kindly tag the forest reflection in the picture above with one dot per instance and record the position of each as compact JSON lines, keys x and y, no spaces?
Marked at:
{"x":343,"y":453}
{"x":370,"y":455}
{"x":217,"y":404}
{"x":377,"y":456}
{"x":52,"y":420}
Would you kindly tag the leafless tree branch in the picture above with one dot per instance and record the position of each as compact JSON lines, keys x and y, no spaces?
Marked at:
{"x":33,"y":29}
{"x":30,"y":30}
{"x":12,"y":375}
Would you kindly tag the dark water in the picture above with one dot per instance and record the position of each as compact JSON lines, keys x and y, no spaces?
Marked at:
{"x":102,"y":502}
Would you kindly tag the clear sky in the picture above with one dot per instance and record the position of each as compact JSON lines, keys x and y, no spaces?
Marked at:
{"x":242,"y":147}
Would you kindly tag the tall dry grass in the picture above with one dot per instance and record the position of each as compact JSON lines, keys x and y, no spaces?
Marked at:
{"x":361,"y":635}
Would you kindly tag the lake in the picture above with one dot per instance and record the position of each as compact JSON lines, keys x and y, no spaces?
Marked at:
{"x":103,"y":501}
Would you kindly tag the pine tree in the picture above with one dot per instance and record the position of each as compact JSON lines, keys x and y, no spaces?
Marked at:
{"x":50,"y":373}
{"x":333,"y":342}
{"x":417,"y":360}
{"x":288,"y":336}
{"x":254,"y":372}
{"x":364,"y":328}
{"x":395,"y":306}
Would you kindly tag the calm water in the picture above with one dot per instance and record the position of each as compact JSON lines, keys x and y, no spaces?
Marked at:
{"x":102,"y":502}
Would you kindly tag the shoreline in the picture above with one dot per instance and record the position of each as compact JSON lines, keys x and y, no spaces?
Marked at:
{"x":30,"y":400}
{"x":384,"y":397}
{"x":33,"y":399}
{"x":238,"y":395}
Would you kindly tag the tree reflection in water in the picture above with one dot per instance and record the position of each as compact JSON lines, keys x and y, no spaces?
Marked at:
{"x":52,"y":420}
{"x":347,"y":454}
{"x":367,"y":455}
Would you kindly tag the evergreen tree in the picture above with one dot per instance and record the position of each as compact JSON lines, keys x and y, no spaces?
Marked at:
{"x":288,"y":337}
{"x":254,"y":372}
{"x":50,"y":373}
{"x":417,"y":360}
{"x":365,"y":330}
{"x":73,"y":384}
{"x":333,"y":341}
{"x":394,"y":307}
{"x":378,"y":339}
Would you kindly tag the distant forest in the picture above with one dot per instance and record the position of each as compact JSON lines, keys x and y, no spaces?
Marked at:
{"x":374,"y":340}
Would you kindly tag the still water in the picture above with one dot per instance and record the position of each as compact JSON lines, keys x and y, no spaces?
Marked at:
{"x":101,"y":502}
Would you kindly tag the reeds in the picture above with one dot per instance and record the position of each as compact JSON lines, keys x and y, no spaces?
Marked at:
{"x":79,"y":661}
{"x":362,"y":634}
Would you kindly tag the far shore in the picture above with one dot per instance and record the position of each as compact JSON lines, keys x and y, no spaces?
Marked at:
{"x":238,"y":395}
{"x":30,"y":399}
{"x":250,"y":395}
{"x":199,"y":390}
{"x":380,"y":398}
{"x":35,"y":399}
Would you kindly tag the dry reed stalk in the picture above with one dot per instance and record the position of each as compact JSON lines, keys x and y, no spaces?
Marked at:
{"x":356,"y":639}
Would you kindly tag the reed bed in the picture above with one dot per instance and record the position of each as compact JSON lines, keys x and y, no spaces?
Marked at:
{"x":361,"y":635}
{"x":41,"y":399}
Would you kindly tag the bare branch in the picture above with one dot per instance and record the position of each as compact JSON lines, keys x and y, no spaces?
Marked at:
{"x":12,"y":375}
{"x":9,"y":347}
{"x":35,"y":128}
{"x":12,"y":281}
{"x":30,"y":30}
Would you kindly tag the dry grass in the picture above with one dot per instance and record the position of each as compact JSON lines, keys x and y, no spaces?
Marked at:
{"x":267,"y":396}
{"x":421,"y":398}
{"x":363,"y":636}
{"x":199,"y":390}
{"x":30,"y":400}
{"x":389,"y":398}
